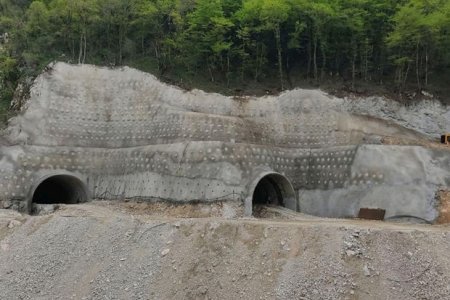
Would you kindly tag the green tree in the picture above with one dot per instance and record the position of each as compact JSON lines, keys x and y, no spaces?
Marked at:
{"x":85,"y":13}
{"x":353,"y":16}
{"x":207,"y":36}
{"x":267,"y":15}
{"x":320,"y":15}
{"x":418,"y":27}
{"x":274,"y":13}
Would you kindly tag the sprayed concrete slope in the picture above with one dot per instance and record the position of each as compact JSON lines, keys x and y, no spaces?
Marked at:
{"x":121,"y":134}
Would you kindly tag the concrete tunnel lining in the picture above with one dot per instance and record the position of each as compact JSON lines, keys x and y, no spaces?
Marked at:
{"x":59,"y":189}
{"x":277,"y":188}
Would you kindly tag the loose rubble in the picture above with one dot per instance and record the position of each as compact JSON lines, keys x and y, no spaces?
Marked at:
{"x":98,"y":251}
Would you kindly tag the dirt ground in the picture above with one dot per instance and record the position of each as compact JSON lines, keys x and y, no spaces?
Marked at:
{"x":116,"y":250}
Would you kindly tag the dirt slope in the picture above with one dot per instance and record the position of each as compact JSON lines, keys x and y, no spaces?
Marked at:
{"x":105,"y":251}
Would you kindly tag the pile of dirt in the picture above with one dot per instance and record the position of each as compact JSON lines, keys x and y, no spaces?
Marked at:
{"x":99,"y":251}
{"x":167,"y":210}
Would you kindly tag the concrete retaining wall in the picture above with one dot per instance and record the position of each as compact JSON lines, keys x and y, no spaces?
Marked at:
{"x":127,"y":135}
{"x":403,"y":180}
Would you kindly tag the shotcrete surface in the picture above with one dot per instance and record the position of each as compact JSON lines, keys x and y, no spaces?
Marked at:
{"x":126,"y":135}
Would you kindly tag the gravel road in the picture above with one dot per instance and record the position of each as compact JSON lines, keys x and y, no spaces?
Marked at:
{"x":105,"y":250}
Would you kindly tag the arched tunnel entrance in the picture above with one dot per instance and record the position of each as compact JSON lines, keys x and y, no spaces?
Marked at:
{"x":267,"y":192}
{"x":273,"y":190}
{"x":60,"y":189}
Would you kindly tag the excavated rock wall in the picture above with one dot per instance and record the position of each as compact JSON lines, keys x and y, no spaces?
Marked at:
{"x":127,"y":135}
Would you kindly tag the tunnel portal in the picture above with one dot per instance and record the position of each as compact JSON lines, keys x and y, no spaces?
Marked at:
{"x":60,"y":189}
{"x":273,"y":190}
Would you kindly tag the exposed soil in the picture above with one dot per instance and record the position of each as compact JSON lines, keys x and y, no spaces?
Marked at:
{"x":388,"y":140}
{"x":114,"y":250}
{"x":444,"y":207}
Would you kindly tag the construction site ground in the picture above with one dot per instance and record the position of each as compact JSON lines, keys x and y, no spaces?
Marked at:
{"x":130,"y":250}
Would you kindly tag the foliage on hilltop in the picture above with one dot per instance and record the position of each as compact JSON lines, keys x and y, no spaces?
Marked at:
{"x":225,"y":45}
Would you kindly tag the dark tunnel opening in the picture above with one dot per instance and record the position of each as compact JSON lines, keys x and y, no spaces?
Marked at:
{"x":273,"y":190}
{"x":60,"y":189}
{"x":267,"y":192}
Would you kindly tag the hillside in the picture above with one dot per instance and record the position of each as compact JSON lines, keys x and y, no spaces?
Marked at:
{"x":397,"y":49}
{"x":224,"y":149}
{"x":127,"y":141}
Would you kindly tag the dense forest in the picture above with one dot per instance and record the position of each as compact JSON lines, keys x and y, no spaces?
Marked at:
{"x":399,"y":44}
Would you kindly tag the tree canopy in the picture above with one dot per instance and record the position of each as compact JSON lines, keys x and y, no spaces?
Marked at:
{"x":233,"y":42}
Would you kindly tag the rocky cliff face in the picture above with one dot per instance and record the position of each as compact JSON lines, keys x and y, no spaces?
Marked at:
{"x":123,"y":134}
